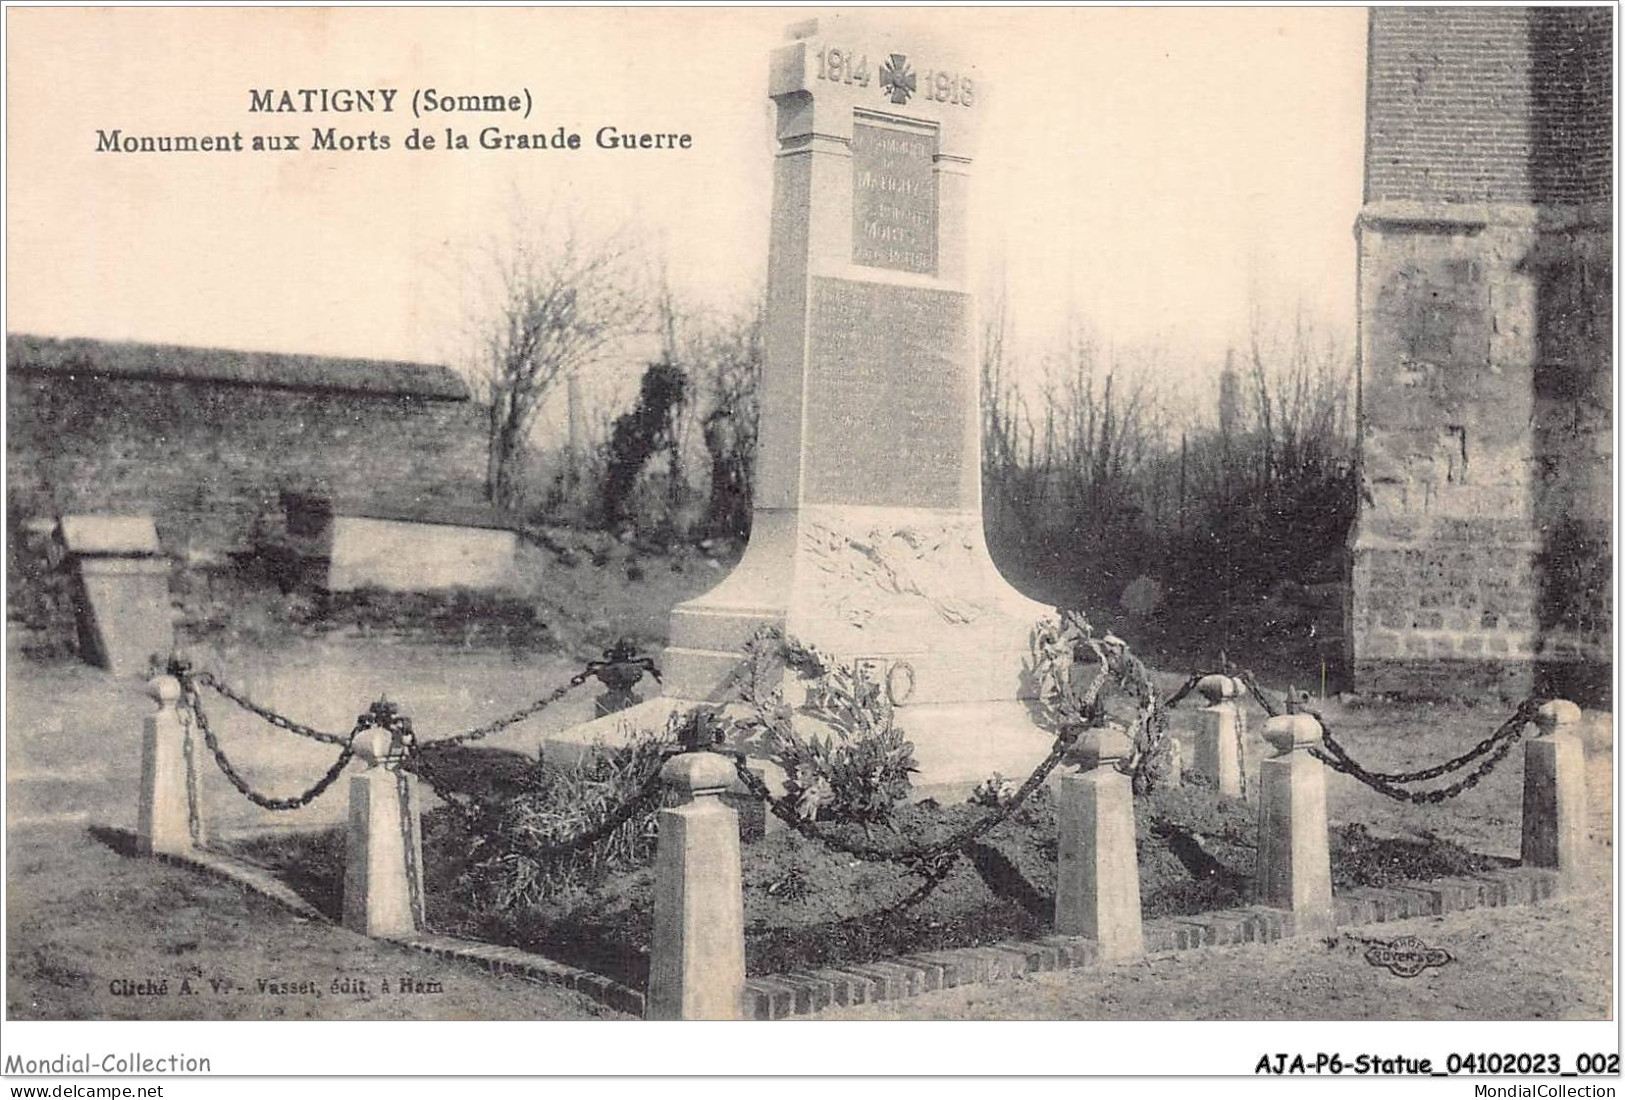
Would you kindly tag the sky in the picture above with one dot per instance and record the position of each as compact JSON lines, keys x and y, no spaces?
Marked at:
{"x":1151,"y":175}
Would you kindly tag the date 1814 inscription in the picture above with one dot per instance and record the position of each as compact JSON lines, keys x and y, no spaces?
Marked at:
{"x":894,"y":199}
{"x":892,"y":370}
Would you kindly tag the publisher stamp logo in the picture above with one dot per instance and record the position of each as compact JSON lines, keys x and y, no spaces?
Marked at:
{"x":1406,"y":956}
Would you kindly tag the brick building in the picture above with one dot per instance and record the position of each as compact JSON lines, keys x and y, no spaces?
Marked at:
{"x":1483,"y":553}
{"x":209,"y":441}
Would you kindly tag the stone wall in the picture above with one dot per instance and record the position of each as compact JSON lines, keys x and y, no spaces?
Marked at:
{"x":1482,"y":554}
{"x":208,"y":441}
{"x":1489,"y":104}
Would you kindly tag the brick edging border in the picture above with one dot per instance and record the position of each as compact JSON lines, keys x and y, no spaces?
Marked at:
{"x":256,"y":878}
{"x":540,"y":968}
{"x":802,"y":992}
{"x":780,"y":996}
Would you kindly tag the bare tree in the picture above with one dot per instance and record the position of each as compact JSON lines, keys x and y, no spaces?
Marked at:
{"x":560,"y":299}
{"x":730,"y":357}
{"x":1301,"y":382}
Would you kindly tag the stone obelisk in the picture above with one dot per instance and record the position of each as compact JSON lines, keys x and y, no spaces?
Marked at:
{"x":866,"y":540}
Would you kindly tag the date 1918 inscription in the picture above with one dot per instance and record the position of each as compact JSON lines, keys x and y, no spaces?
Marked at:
{"x":894,"y":199}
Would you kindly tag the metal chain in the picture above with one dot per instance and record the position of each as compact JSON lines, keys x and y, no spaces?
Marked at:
{"x":409,"y":849}
{"x":1520,"y":718}
{"x":622,"y":653}
{"x":294,"y":802}
{"x":207,"y":679}
{"x":417,"y":763}
{"x":1335,"y":756}
{"x":517,"y":716}
{"x":1337,"y":759}
{"x":413,"y":761}
{"x":1184,"y":689}
{"x":1240,"y":726}
{"x":194,"y":811}
{"x":281,"y":722}
{"x":1250,"y":682}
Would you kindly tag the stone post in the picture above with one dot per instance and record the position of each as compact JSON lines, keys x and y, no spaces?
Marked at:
{"x":1218,"y":735}
{"x":1294,"y":859}
{"x":383,"y":870}
{"x":169,"y":777}
{"x":1098,"y":880}
{"x":1554,"y":793}
{"x":697,"y":965}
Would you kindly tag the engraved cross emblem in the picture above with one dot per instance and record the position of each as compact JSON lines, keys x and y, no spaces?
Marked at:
{"x":897,"y":78}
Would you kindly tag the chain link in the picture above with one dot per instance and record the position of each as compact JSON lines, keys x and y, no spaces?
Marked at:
{"x":1240,"y":726}
{"x":1184,"y":689}
{"x":1497,"y":745}
{"x":530,"y":709}
{"x":194,"y":810}
{"x":409,"y":849}
{"x":1520,"y":718}
{"x":647,"y":794}
{"x":1493,"y":749}
{"x":195,"y":703}
{"x":417,"y":763}
{"x":208,"y":680}
{"x":1250,"y":682}
{"x":621,"y":654}
{"x":641,"y":801}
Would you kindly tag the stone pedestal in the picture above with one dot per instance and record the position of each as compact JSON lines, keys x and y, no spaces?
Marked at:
{"x":866,"y":540}
{"x":697,"y":962}
{"x":123,"y":591}
{"x":1554,"y":794}
{"x":169,"y":777}
{"x":383,"y":870}
{"x":1097,"y":891}
{"x":1294,"y":860}
{"x":1219,"y":730}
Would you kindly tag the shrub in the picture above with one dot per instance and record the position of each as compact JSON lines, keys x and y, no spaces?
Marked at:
{"x":995,"y":792}
{"x":40,"y":587}
{"x":508,"y":866}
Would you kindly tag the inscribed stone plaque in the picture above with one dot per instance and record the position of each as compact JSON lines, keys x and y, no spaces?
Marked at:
{"x":888,"y":395}
{"x":894,"y":199}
